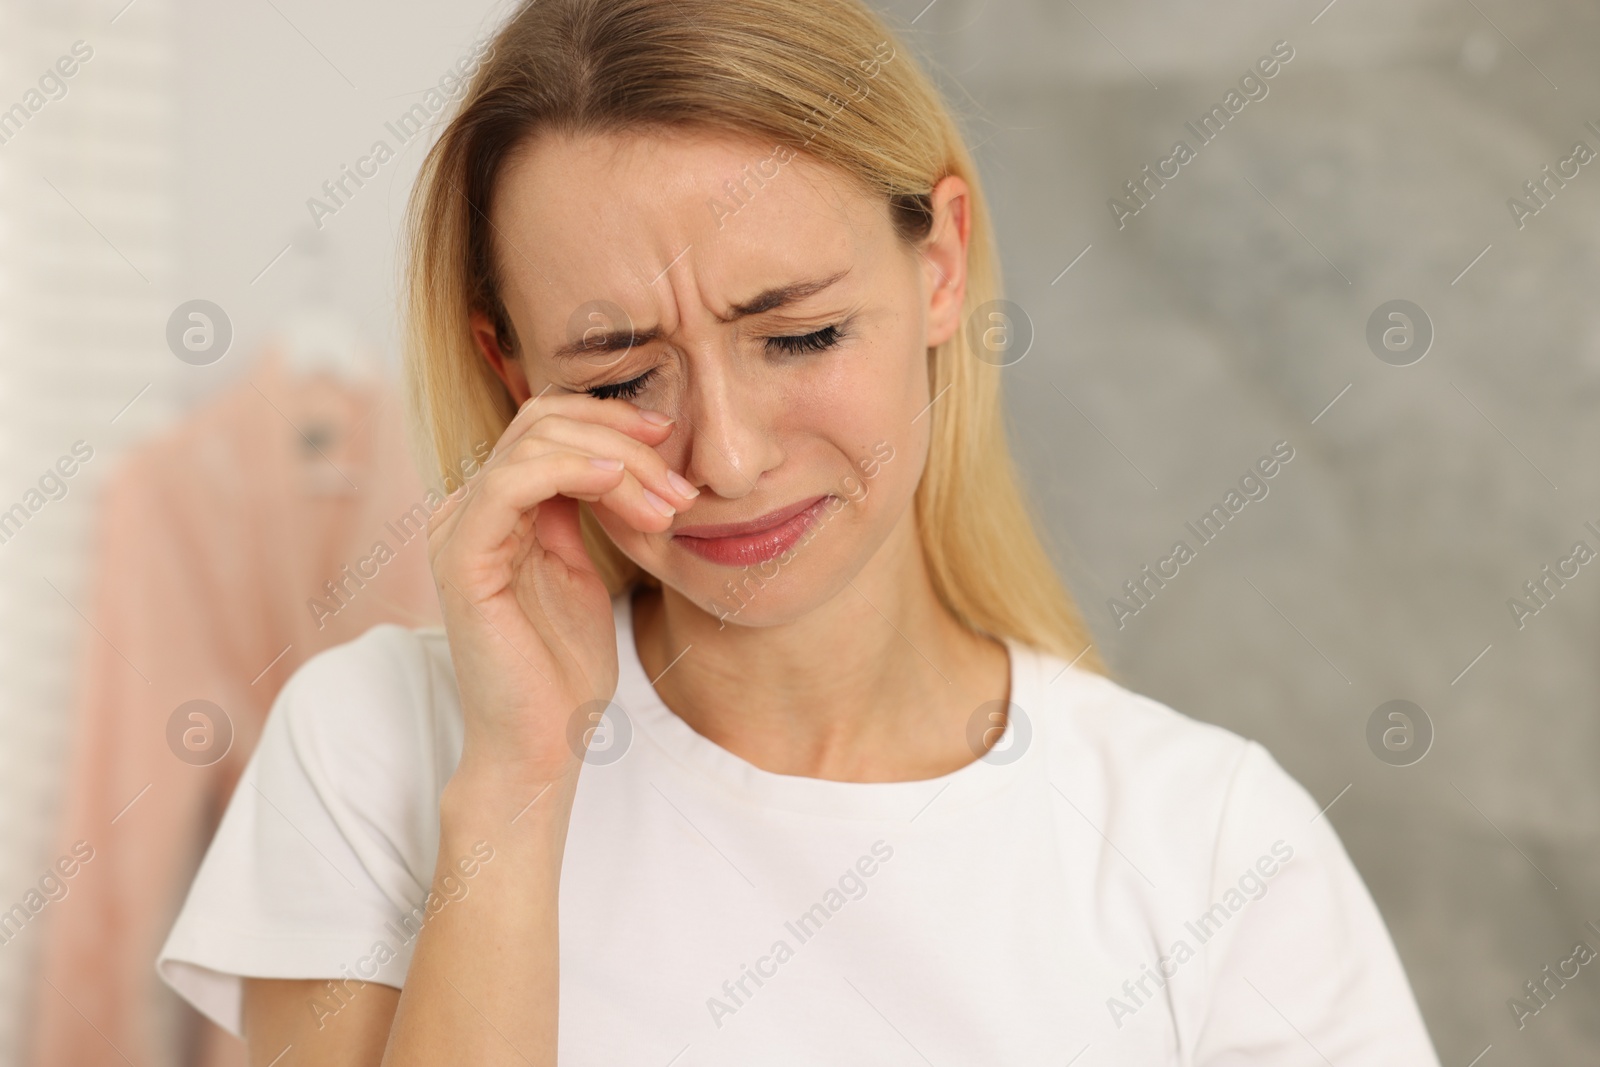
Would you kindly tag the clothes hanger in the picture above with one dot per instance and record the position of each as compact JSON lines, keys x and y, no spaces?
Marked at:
{"x":323,"y":340}
{"x":315,"y":335}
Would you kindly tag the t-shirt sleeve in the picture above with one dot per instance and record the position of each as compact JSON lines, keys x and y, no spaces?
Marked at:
{"x":322,"y":859}
{"x":1302,"y":968}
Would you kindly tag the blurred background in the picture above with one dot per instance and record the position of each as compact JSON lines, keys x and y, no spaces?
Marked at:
{"x":179,"y":480}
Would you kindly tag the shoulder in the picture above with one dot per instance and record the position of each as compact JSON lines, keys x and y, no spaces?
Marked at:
{"x":387,"y":674}
{"x":386,"y":653}
{"x":333,"y":829}
{"x":1128,"y":727}
{"x":1231,"y":862}
{"x":374,"y":721}
{"x":1190,"y":796}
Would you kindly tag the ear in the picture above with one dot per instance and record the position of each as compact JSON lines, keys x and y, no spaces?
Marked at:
{"x":944,"y":257}
{"x":508,"y":368}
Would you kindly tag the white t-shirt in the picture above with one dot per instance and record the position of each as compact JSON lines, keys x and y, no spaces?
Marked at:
{"x":1112,"y":884}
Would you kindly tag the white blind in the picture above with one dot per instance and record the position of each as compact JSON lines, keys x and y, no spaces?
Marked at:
{"x":86,"y":224}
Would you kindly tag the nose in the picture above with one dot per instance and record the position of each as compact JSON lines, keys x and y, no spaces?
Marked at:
{"x":731,"y":439}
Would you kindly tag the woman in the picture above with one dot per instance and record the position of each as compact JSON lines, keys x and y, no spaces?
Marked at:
{"x":749,"y":555}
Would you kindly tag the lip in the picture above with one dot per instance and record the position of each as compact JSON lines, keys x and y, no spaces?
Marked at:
{"x":740,"y":544}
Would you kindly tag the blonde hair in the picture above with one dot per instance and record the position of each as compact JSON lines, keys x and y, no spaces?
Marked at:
{"x":809,"y":74}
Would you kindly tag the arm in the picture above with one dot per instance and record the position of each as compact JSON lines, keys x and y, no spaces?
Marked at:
{"x":1303,"y":971}
{"x":278,"y":1014}
{"x":482,"y":985}
{"x":532,"y":643}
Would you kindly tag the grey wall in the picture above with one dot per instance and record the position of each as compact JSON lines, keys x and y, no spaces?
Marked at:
{"x":1224,"y":317}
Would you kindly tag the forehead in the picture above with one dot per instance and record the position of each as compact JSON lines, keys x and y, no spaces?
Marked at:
{"x":625,"y":217}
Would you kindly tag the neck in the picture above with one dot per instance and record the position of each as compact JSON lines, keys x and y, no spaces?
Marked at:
{"x":878,"y":683}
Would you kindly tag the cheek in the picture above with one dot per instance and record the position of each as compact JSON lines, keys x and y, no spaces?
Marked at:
{"x":643,"y":549}
{"x":864,"y":404}
{"x":887,"y":486}
{"x":870,"y":389}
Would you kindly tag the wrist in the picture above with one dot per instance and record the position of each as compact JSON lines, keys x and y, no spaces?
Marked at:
{"x":486,"y":794}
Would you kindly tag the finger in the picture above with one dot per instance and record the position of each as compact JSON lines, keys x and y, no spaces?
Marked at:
{"x":445,"y":517}
{"x":493,"y":510}
{"x":638,"y":506}
{"x":621,"y":415}
{"x":618,"y":414}
{"x":632,"y":498}
{"x":629,"y":498}
{"x":641,"y":460}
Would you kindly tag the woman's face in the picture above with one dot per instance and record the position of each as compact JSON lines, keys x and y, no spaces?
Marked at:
{"x":772,"y":311}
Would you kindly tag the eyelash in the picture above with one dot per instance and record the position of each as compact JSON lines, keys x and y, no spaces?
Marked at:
{"x":626,"y":390}
{"x":816,"y":341}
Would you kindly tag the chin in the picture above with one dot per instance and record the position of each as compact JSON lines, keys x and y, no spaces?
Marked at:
{"x":750,"y":600}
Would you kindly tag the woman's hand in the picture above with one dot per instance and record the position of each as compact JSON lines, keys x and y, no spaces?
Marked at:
{"x":527,"y":616}
{"x":533,"y":644}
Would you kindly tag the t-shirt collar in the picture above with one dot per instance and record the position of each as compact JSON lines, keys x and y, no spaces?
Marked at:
{"x":1014,"y":754}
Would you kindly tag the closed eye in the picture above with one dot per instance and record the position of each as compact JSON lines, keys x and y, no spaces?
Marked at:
{"x":815,"y":341}
{"x":626,"y":390}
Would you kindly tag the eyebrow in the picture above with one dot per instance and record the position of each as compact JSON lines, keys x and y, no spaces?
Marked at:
{"x":767,"y":300}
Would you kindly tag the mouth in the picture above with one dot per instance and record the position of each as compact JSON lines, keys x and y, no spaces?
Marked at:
{"x":741,"y":544}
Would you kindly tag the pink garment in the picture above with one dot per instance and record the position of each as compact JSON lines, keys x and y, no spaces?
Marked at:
{"x":212,"y":539}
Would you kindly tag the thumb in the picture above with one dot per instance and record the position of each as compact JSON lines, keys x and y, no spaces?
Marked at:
{"x":556,"y":526}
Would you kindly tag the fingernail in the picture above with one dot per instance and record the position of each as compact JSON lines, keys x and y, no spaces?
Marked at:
{"x":681,"y":484}
{"x":660,"y":505}
{"x":656,"y":418}
{"x":606,"y":463}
